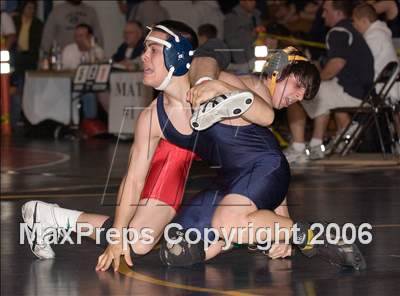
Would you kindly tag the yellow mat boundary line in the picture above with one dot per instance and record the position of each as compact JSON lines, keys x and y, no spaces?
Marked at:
{"x":127,"y":271}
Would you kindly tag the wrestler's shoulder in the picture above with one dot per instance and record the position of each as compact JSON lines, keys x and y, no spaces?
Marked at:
{"x":150,"y":108}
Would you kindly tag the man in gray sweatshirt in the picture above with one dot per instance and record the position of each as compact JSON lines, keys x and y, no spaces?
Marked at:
{"x":63,"y":19}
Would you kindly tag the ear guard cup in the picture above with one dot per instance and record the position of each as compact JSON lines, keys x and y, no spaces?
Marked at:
{"x":277,"y":62}
{"x":179,"y":55}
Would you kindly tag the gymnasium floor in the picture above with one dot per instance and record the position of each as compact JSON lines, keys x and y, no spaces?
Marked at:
{"x":74,"y":173}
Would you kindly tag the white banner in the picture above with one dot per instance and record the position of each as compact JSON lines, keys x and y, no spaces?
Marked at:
{"x":129,"y":96}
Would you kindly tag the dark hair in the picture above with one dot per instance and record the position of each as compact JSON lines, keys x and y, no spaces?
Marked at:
{"x":208,"y":30}
{"x":365,"y":10}
{"x":85,"y":26}
{"x":25,"y":3}
{"x":306,"y":74}
{"x":181,"y":28}
{"x":345,"y":6}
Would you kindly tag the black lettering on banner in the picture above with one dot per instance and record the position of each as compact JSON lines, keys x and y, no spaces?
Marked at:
{"x":124,"y":89}
{"x":121,"y":88}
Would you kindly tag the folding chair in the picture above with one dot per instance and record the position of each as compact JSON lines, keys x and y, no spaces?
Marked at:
{"x":373,"y":104}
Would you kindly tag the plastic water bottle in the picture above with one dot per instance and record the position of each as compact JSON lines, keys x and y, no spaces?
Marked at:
{"x":55,"y":57}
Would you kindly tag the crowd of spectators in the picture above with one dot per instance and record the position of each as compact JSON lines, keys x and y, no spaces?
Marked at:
{"x":359,"y":43}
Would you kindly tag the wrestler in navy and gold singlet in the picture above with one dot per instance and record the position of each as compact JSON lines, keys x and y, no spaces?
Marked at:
{"x":250,"y":160}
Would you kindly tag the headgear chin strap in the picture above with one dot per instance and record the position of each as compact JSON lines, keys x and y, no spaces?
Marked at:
{"x":177,"y":51}
{"x":277,"y":62}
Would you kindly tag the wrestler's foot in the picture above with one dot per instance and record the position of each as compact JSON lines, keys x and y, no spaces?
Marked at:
{"x":182,"y":253}
{"x":40,"y":222}
{"x":339,"y":254}
{"x":219,"y":108}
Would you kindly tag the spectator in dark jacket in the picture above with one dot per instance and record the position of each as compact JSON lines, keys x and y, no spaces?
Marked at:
{"x":29,"y":34}
{"x":132,"y":46}
{"x":26,"y":52}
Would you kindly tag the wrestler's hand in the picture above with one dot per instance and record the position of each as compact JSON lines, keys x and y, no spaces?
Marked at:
{"x":205,"y":91}
{"x":113,"y":254}
{"x":280,"y":250}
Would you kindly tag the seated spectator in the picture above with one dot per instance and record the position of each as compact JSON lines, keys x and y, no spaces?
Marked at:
{"x":379,"y":39}
{"x":83,"y":50}
{"x":132,"y":46}
{"x":29,"y":33}
{"x":240,"y":33}
{"x":206,"y":32}
{"x":130,"y":50}
{"x":62,"y":21}
{"x":389,"y":11}
{"x":346,"y":78}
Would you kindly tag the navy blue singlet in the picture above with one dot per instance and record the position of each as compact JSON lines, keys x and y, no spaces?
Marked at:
{"x":250,"y":161}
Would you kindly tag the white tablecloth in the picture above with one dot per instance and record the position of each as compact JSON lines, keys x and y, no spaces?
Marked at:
{"x":47,"y":95}
{"x":127,"y":91}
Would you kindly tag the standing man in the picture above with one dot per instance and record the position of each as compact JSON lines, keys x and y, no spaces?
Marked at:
{"x":63,"y":19}
{"x":240,"y":34}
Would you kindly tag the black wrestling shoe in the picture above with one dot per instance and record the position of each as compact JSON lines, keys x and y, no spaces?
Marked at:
{"x":340,"y":254}
{"x":183,"y":253}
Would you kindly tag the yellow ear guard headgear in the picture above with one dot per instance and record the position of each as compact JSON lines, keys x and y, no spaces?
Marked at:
{"x":279,"y":61}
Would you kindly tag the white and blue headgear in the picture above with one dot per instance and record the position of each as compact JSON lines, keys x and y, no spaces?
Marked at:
{"x":178,"y":54}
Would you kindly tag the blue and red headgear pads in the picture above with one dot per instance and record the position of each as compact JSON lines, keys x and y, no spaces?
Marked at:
{"x":178,"y":54}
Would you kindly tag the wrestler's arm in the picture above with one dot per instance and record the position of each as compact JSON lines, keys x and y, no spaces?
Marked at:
{"x":281,"y":250}
{"x":203,"y":67}
{"x":143,"y":148}
{"x":256,"y":85}
{"x":142,"y":151}
{"x":260,"y":112}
